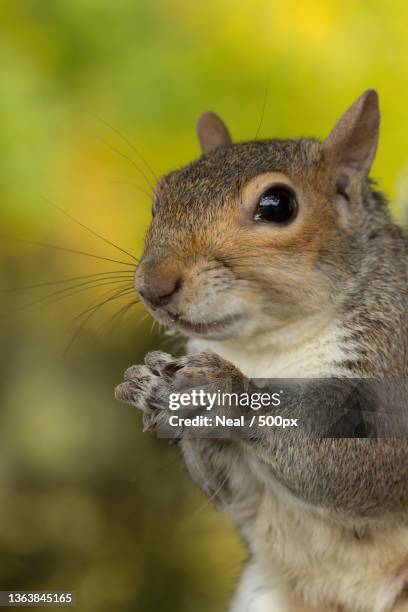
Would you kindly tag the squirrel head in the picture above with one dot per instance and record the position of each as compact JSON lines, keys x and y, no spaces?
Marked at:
{"x":256,"y":234}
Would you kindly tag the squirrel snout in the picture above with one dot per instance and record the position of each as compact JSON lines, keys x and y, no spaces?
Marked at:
{"x":158,"y":288}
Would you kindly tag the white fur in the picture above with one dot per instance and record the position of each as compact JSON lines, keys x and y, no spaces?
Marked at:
{"x":256,"y":593}
{"x":307,"y":349}
{"x":305,"y":560}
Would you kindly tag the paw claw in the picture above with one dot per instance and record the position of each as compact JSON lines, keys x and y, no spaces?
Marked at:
{"x":148,"y":423}
{"x":139,"y":388}
{"x":157,"y":361}
{"x":123,"y":393}
{"x":136,"y":372}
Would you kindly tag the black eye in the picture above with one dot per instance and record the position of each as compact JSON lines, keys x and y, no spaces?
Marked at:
{"x":276,"y":205}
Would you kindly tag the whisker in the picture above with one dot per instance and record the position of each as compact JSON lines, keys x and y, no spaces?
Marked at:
{"x":152,"y":325}
{"x":90,"y":313}
{"x":143,"y":319}
{"x":131,"y":145}
{"x":103,"y":275}
{"x":149,"y":195}
{"x":130,"y":160}
{"x":123,"y":291}
{"x":68,"y":250}
{"x":262,"y":112}
{"x":93,"y":232}
{"x":108,"y":325}
{"x":169,"y":340}
{"x":104,"y":294}
{"x":63,"y":293}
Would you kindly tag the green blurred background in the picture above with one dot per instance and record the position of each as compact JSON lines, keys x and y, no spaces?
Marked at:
{"x":88,"y":502}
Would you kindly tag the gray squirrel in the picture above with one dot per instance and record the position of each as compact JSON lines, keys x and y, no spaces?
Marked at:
{"x":278,"y":258}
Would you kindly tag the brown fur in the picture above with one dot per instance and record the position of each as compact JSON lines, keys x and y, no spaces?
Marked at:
{"x":274,"y":288}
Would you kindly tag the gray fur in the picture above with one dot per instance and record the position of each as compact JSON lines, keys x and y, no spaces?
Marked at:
{"x":362,"y":275}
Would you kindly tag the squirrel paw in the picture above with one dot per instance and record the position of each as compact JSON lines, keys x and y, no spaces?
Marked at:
{"x":207,"y":367}
{"x":146,"y":386}
{"x":149,"y":386}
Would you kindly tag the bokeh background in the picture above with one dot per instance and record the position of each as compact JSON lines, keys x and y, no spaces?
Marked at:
{"x":87,"y":502}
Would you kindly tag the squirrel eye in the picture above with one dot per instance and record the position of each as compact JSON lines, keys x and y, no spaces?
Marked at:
{"x":276,"y":205}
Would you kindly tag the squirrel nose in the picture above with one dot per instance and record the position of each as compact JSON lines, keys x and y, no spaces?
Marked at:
{"x":158,"y":289}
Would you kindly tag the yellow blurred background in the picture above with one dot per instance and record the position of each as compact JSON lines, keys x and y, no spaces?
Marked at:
{"x":87,"y":502}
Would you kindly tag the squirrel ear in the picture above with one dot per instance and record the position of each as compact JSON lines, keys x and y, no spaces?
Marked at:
{"x":212,"y":132}
{"x":352,"y":143}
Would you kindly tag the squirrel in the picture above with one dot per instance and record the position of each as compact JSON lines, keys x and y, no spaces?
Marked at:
{"x":279,"y":258}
